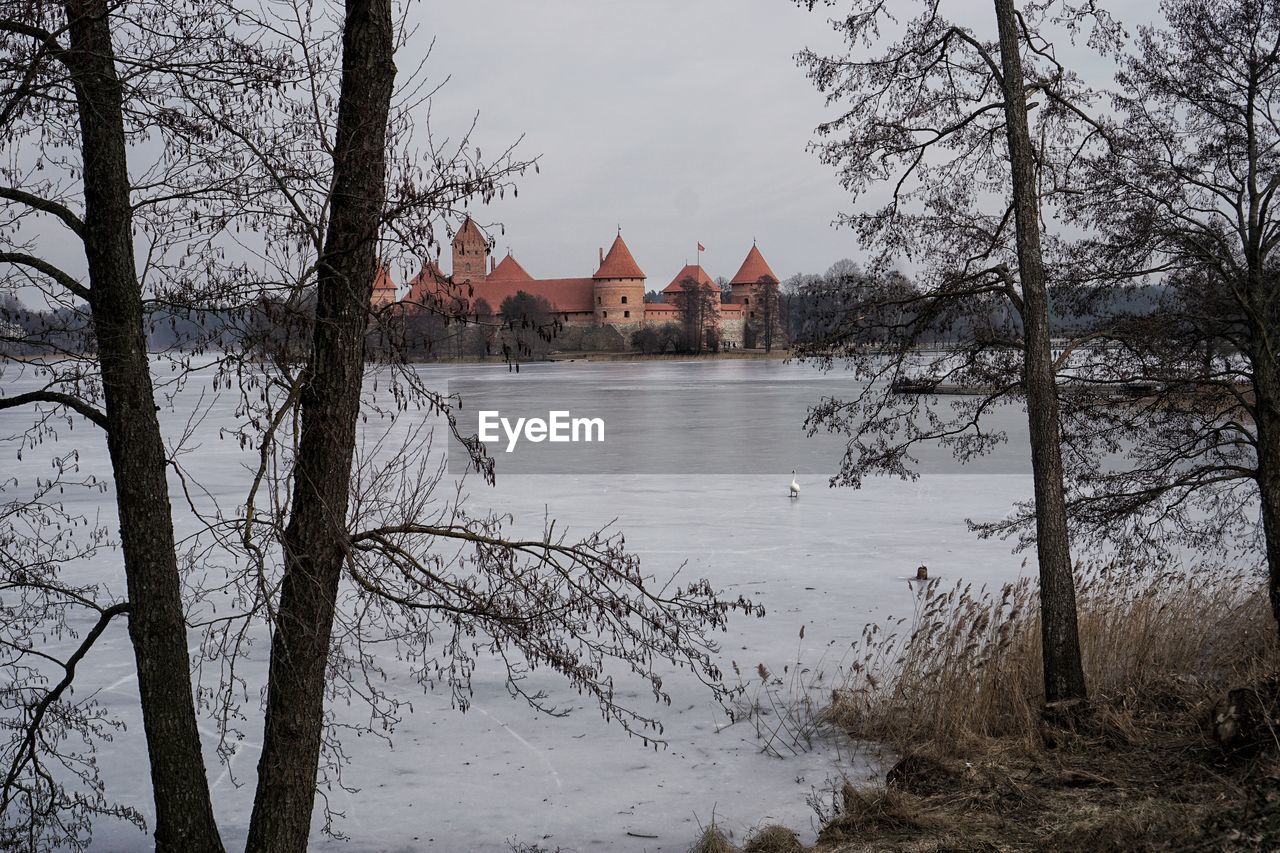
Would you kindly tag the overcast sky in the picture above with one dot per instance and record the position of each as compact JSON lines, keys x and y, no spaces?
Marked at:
{"x":680,"y":120}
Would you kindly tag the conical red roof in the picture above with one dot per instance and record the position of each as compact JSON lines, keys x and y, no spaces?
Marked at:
{"x":429,"y":284}
{"x":508,"y":269}
{"x":469,"y":230}
{"x":619,"y":263}
{"x":754,"y":268}
{"x":694,"y":272}
{"x":382,"y":281}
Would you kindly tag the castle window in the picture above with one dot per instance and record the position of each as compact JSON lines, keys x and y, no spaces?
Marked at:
{"x":599,"y":300}
{"x":746,"y":300}
{"x":604,"y":313}
{"x":753,"y":315}
{"x":625,"y":313}
{"x":624,"y":300}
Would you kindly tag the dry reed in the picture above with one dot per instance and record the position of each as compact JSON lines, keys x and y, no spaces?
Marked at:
{"x":967,"y":667}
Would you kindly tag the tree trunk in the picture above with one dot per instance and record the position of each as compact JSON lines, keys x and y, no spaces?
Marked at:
{"x":1063,"y":672}
{"x":315,"y":540}
{"x":1266,"y":382}
{"x":768,"y":316}
{"x":157,"y":624}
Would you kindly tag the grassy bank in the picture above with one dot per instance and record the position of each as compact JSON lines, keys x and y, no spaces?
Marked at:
{"x":952,"y":696}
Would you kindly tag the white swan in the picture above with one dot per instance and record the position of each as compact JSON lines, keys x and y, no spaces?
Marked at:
{"x":794,"y":487}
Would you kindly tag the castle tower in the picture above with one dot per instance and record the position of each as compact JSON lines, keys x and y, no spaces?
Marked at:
{"x":761,"y":318}
{"x":746,"y":284}
{"x":619,"y":287}
{"x":384,"y":289}
{"x":676,"y":294}
{"x":470,"y":254}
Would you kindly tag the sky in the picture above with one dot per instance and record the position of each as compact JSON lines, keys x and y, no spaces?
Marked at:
{"x":679,"y":121}
{"x":682,"y":121}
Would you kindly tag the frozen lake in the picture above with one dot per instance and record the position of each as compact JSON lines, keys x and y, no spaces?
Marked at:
{"x":828,"y":562}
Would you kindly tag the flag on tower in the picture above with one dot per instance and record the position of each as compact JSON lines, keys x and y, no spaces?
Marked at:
{"x":701,"y":248}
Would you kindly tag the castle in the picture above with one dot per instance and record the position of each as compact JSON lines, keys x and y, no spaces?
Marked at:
{"x":613,"y":296}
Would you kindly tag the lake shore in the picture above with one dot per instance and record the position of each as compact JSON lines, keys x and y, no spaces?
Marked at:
{"x":724,"y":355}
{"x":629,"y":357}
{"x":1174,"y":750}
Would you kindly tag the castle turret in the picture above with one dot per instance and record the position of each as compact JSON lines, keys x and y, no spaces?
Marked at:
{"x":619,"y":287}
{"x":746,"y":284}
{"x":470,"y":254}
{"x":384,"y":289}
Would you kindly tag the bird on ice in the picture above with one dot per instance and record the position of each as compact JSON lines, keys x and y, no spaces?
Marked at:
{"x":794,"y":488}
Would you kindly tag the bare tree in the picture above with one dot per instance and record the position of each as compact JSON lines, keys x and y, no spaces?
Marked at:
{"x":697,"y":307}
{"x":315,"y":539}
{"x":71,"y":103}
{"x":1178,"y":279}
{"x":941,"y":116}
{"x":766,"y":304}
{"x":530,"y":326}
{"x":331,"y":561}
{"x":652,"y":338}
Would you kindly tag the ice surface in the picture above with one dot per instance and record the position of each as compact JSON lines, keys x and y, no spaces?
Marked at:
{"x":830,"y":561}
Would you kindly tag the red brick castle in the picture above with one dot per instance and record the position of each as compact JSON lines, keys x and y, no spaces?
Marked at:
{"x":613,"y":296}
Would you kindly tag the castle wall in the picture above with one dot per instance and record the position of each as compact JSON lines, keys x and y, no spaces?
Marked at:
{"x":620,"y":301}
{"x":731,"y":330}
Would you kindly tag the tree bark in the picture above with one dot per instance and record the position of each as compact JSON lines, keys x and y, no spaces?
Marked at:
{"x":1263,"y":314}
{"x":1063,"y":671}
{"x":1266,"y":380}
{"x":157,"y":624}
{"x":315,"y":539}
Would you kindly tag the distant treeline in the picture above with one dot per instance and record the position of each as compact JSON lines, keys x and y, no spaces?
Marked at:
{"x":809,"y":305}
{"x":523,"y":326}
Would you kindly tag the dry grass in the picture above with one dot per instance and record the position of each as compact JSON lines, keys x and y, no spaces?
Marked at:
{"x":966,"y":669}
{"x":712,"y":840}
{"x":956,"y":694}
{"x":773,"y":839}
{"x":878,"y":812}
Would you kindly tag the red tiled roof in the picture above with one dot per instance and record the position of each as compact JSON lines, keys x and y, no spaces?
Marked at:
{"x":619,"y":263}
{"x":382,"y":281}
{"x":384,"y":288}
{"x":432,"y":287}
{"x":508,"y":269}
{"x":694,"y":272}
{"x":566,"y":295}
{"x":754,"y":268}
{"x":469,"y":230}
